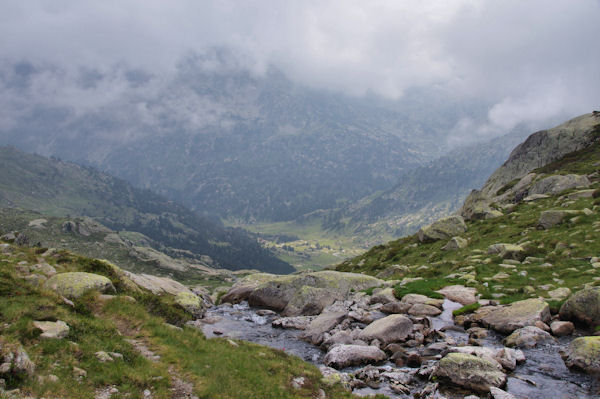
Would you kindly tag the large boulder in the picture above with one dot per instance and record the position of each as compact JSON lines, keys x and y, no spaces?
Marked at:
{"x":528,"y":337}
{"x":583,"y":307}
{"x":471,"y":372}
{"x":477,"y":207}
{"x":342,"y":356}
{"x":191,"y":303}
{"x":508,"y":358}
{"x":74,"y":284}
{"x":517,"y":315}
{"x":551,"y":218}
{"x":158,"y":285}
{"x":583,"y":353}
{"x":393,"y":328}
{"x":455,"y":243}
{"x":556,"y":184}
{"x":443,"y":229}
{"x":300,"y":294}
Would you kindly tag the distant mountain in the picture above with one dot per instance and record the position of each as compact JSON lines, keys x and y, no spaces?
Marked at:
{"x":226,"y":142}
{"x":60,"y":188}
{"x":427,"y":192}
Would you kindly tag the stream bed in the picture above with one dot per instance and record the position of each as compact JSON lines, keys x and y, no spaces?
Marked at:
{"x":542,"y":375}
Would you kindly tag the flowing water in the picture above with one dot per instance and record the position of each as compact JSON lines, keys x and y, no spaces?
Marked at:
{"x":543,"y":375}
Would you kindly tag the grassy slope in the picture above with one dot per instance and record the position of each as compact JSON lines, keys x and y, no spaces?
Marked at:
{"x":216,"y":368}
{"x":568,"y":247}
{"x":59,"y":188}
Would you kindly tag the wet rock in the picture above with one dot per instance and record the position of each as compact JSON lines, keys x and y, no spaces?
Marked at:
{"x":396,"y":307}
{"x":506,"y":357}
{"x":57,"y":330}
{"x":296,"y":322}
{"x":342,"y":356}
{"x":517,"y":315}
{"x":435,"y":349}
{"x":459,"y":293}
{"x":339,"y":338}
{"x":583,"y":353}
{"x":528,"y":337}
{"x":413,"y":360}
{"x":498,"y":393}
{"x":562,"y":328}
{"x":390,"y":329}
{"x":477,"y":332}
{"x":583,"y":307}
{"x":75,"y":284}
{"x":471,"y":372}
{"x":320,"y":325}
{"x":420,"y":309}
{"x":443,"y":229}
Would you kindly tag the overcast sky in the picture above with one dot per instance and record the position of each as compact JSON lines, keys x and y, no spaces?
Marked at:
{"x":534,"y":60}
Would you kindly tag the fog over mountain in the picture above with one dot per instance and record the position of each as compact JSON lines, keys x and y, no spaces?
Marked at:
{"x":268,"y":110}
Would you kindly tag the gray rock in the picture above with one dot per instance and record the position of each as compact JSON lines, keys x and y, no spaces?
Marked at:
{"x":342,"y":356}
{"x":583,"y":307}
{"x":420,"y":309}
{"x":323,"y":323}
{"x":498,"y":393}
{"x":393,"y":328}
{"x":528,"y":337}
{"x":458,"y":293}
{"x":382,"y":295}
{"x":562,"y":328}
{"x":506,"y":251}
{"x":517,"y":315}
{"x":583,"y":353}
{"x":396,"y":307}
{"x":551,"y":218}
{"x":296,"y":322}
{"x":443,"y":229}
{"x":556,"y":184}
{"x":471,"y":372}
{"x":455,"y":243}
{"x":75,"y":284}
{"x":57,"y":330}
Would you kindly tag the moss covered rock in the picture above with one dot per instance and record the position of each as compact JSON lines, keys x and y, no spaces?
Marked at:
{"x":471,"y":372}
{"x":583,"y":307}
{"x":191,"y":302}
{"x":75,"y":284}
{"x":583,"y":353}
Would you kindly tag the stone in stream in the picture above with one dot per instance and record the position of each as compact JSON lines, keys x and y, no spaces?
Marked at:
{"x":382,"y":295}
{"x":396,"y":307}
{"x":342,"y":356}
{"x":295,"y":322}
{"x":319,"y":326}
{"x":528,"y":337}
{"x":421,"y":309}
{"x":507,"y":358}
{"x":498,"y":393}
{"x":393,"y":328}
{"x":471,"y":372}
{"x":562,"y":328}
{"x":413,"y":299}
{"x":583,"y":353}
{"x":583,"y":307}
{"x":517,"y":315}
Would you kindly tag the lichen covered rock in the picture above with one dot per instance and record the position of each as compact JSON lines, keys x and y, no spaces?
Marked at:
{"x":191,"y":302}
{"x":75,"y":284}
{"x":471,"y":372}
{"x":583,"y":353}
{"x":443,"y":229}
{"x":583,"y":307}
{"x":517,"y":315}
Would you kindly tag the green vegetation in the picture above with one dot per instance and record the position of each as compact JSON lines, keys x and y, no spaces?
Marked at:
{"x":215,"y":368}
{"x":425,"y":287}
{"x":467,"y":309}
{"x":553,"y":258}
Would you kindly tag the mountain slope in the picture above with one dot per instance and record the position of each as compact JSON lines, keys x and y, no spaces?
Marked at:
{"x":224,"y":141}
{"x":58,"y":188}
{"x":524,"y":245}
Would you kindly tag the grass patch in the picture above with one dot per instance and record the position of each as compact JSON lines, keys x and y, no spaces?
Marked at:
{"x":467,"y":309}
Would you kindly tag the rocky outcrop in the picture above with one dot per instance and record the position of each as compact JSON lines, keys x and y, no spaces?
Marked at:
{"x":517,"y":315}
{"x":443,"y":229}
{"x":471,"y":372}
{"x":551,"y":218}
{"x":556,"y":184}
{"x":542,"y":148}
{"x":74,"y":284}
{"x":455,"y":243}
{"x":299,"y":294}
{"x":583,"y":307}
{"x":342,"y":356}
{"x":477,"y":207}
{"x":583,"y":353}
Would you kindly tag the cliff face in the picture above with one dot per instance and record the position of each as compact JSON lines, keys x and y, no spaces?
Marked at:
{"x":544,"y":147}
